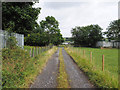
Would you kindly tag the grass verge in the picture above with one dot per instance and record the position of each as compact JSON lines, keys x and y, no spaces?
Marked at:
{"x":19,"y":70}
{"x":99,"y":78}
{"x":62,"y":75}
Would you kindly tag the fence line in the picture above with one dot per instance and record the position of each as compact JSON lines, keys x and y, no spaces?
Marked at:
{"x":83,"y":55}
{"x":35,"y":51}
{"x":4,"y":35}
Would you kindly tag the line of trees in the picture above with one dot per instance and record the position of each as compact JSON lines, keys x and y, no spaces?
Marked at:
{"x":20,"y":17}
{"x":89,"y":35}
{"x":46,"y":33}
{"x":86,"y":35}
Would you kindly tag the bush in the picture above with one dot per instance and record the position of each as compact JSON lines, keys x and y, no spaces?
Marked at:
{"x":11,"y":42}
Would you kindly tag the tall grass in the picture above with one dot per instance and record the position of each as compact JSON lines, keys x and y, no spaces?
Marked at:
{"x":19,"y":70}
{"x":106,"y":79}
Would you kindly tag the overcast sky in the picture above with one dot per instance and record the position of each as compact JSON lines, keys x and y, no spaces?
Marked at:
{"x":71,"y":13}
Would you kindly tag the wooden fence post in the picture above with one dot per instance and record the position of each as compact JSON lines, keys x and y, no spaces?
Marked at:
{"x":33,"y":51}
{"x":91,"y":56}
{"x":102,"y":62}
{"x":80,"y":51}
{"x":36,"y":51}
{"x":77,"y":52}
{"x":39,"y":50}
{"x":30,"y":52}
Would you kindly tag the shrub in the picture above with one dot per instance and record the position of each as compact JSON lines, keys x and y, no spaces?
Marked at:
{"x":11,"y":42}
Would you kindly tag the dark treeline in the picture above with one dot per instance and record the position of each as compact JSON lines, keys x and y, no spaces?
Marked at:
{"x":20,"y":17}
{"x":89,"y":35}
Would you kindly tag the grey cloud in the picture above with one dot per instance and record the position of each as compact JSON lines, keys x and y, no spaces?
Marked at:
{"x":61,"y":5}
{"x":71,"y":14}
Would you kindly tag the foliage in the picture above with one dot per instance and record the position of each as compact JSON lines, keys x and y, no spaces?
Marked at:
{"x":87,"y":35}
{"x":19,"y":17}
{"x":23,"y":21}
{"x":19,"y":70}
{"x":51,"y":27}
{"x":113,"y":30}
{"x":11,"y":42}
{"x":96,"y":75}
{"x":47,"y":32}
{"x":62,"y":75}
{"x":68,"y":39}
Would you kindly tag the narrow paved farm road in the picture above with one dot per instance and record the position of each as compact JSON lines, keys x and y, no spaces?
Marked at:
{"x":47,"y":79}
{"x":76,"y":77}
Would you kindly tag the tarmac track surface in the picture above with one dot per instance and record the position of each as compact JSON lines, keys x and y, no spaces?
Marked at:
{"x":48,"y":77}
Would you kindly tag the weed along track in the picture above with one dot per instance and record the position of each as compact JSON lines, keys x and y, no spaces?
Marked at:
{"x":47,"y":79}
{"x":62,"y":79}
{"x":77,"y":78}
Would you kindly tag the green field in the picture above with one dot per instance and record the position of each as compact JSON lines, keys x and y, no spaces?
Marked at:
{"x":94,"y":68}
{"x":110,"y":58}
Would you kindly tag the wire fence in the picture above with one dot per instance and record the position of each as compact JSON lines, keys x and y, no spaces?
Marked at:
{"x":35,"y":51}
{"x":103,"y":59}
{"x":4,"y":35}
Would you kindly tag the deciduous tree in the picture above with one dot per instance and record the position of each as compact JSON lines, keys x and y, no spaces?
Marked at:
{"x":19,"y":17}
{"x":86,"y":35}
{"x":113,"y":30}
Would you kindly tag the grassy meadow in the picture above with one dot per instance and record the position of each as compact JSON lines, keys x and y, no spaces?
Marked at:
{"x":93,"y":68}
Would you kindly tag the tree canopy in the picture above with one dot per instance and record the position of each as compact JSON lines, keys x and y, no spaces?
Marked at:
{"x":19,"y":17}
{"x":113,"y":30}
{"x":46,"y":33}
{"x":86,"y":35}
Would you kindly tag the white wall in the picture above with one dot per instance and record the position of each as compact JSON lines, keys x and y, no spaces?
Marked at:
{"x":107,"y":44}
{"x":104,"y":44}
